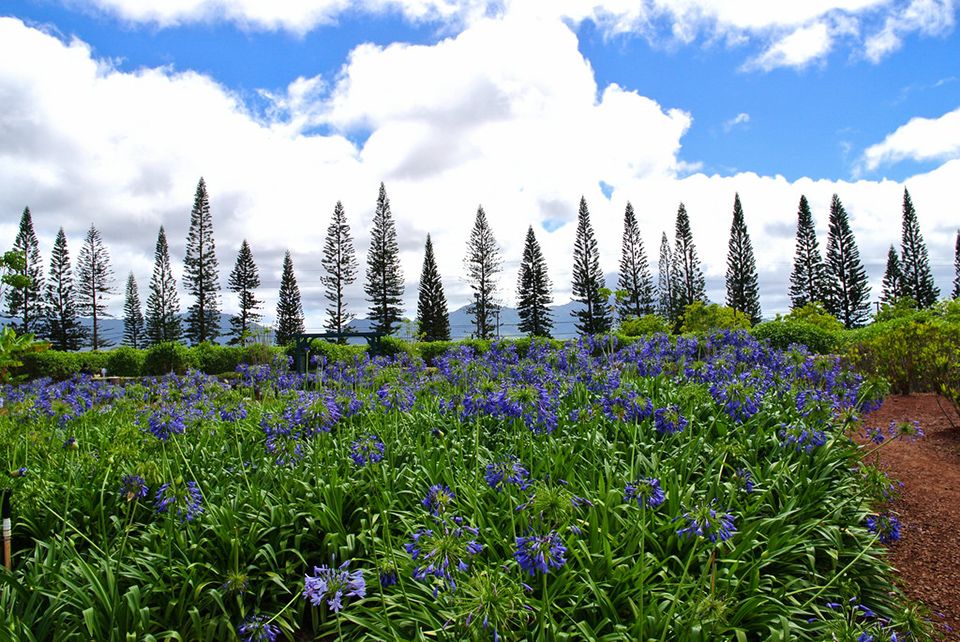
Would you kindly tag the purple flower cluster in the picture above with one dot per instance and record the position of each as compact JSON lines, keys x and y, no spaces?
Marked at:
{"x":801,"y":438}
{"x":886,"y":526}
{"x":257,"y":628}
{"x":443,"y":551}
{"x":133,"y":487}
{"x":333,"y":584}
{"x":540,"y":552}
{"x":709,"y":523}
{"x":185,"y":499}
{"x":669,"y":420}
{"x":367,"y":450}
{"x":439,"y":499}
{"x":506,"y":470}
{"x":645,"y":491}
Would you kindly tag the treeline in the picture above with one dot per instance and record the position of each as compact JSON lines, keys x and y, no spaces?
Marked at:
{"x":51,"y":305}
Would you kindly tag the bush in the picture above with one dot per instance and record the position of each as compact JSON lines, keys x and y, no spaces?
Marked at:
{"x":51,"y":363}
{"x":336,"y":351}
{"x":168,"y":357}
{"x":782,"y":333}
{"x":216,"y":359}
{"x":813,"y":314}
{"x":257,"y":354}
{"x":644,"y":326}
{"x":701,"y":318}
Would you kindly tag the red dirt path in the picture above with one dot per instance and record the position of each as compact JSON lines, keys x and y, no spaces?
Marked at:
{"x":927,"y":557}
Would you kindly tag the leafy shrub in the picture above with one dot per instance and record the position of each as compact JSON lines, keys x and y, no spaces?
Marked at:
{"x":814,"y":314}
{"x":55,"y":364}
{"x":257,"y":354}
{"x":216,"y":359}
{"x":700,"y":318}
{"x":643,"y":326}
{"x":899,"y":308}
{"x":336,"y":351}
{"x":782,"y":333}
{"x":169,"y":357}
{"x":125,"y":362}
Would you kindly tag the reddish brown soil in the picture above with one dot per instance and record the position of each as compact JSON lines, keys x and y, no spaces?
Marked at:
{"x":927,"y":557}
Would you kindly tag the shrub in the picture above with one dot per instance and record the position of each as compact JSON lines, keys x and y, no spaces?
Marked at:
{"x":782,"y":333}
{"x":336,"y":351}
{"x":643,"y":326}
{"x":51,"y":363}
{"x":216,"y":359}
{"x":701,"y":318}
{"x":257,"y":354}
{"x":814,"y":314}
{"x":168,"y":357}
{"x":125,"y":362}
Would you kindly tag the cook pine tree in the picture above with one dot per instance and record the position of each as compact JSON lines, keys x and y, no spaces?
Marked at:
{"x":635,"y":282}
{"x":433,"y":319}
{"x":665,"y":280}
{"x":743,"y":293}
{"x":384,"y":284}
{"x":25,"y":304}
{"x":163,"y":305}
{"x":956,"y":267}
{"x":593,"y":316}
{"x":201,"y":277}
{"x":848,"y":292}
{"x":689,"y":284}
{"x":62,"y":327}
{"x":134,"y":334}
{"x":534,"y":290}
{"x":918,"y":281}
{"x":244,"y":281}
{"x":289,"y":305}
{"x":94,"y":284}
{"x":808,"y":280}
{"x":483,"y":263}
{"x":340,"y":264}
{"x":892,"y":278}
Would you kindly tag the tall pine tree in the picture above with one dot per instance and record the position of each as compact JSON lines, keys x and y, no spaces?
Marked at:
{"x":534,"y":290}
{"x":666,"y":303}
{"x":743,"y":294}
{"x":133,"y":325}
{"x":892,"y":278}
{"x":635,"y":279}
{"x":384,"y":286}
{"x":62,"y":327}
{"x":808,"y":281}
{"x":689,"y":284}
{"x":200,"y":271}
{"x":244,"y":280}
{"x":848,"y":291}
{"x":340,"y":263}
{"x":289,"y":306}
{"x":594,"y":317}
{"x":94,"y":284}
{"x":163,"y":304}
{"x":483,"y":264}
{"x":917,"y":279}
{"x":433,"y":320}
{"x":956,"y":268}
{"x":26,"y":304}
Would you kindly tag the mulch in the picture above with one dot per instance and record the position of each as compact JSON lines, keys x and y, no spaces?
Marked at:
{"x":927,"y":557}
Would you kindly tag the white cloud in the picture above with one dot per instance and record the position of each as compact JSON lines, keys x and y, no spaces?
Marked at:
{"x":928,"y":17}
{"x":921,"y":139}
{"x":466,"y":121}
{"x":797,"y":49}
{"x":742,"y":118}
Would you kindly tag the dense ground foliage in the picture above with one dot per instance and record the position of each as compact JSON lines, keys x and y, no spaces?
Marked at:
{"x":671,"y":489}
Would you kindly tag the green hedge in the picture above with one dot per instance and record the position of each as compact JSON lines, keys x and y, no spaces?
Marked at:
{"x":781,"y":334}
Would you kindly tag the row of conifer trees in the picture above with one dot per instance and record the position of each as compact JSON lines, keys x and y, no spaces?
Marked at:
{"x":51,"y":306}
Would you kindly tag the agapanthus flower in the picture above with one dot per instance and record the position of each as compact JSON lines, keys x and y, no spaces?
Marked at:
{"x":388,"y":574}
{"x":133,"y":487}
{"x":908,"y":429}
{"x":708,"y":522}
{"x":745,"y":479}
{"x":19,"y":472}
{"x":442,"y":552}
{"x":439,"y":498}
{"x":801,"y":438}
{"x":185,"y":499}
{"x":367,"y":450}
{"x":71,"y":444}
{"x":507,"y":470}
{"x":669,"y":420}
{"x":257,"y":628}
{"x":645,"y":491}
{"x":333,"y":584}
{"x":166,"y":421}
{"x":886,"y":526}
{"x":540,"y":552}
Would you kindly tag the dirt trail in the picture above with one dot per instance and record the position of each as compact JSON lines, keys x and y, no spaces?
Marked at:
{"x":927,"y":557}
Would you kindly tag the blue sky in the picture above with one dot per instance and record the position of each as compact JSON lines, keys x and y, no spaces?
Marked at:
{"x":655,"y":103}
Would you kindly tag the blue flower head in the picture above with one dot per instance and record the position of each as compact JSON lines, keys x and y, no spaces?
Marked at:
{"x":709,"y":523}
{"x":540,"y":552}
{"x":443,"y":552}
{"x":257,"y":628}
{"x":886,"y":526}
{"x":439,"y":498}
{"x":645,"y":491}
{"x":506,"y":470}
{"x":367,"y":450}
{"x":133,"y":487}
{"x":185,"y":499}
{"x":333,"y":584}
{"x":669,"y":420}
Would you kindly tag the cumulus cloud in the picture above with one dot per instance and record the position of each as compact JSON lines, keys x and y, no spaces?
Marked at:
{"x":928,"y":17}
{"x":797,"y":49}
{"x":920,"y":139}
{"x":448,"y":127}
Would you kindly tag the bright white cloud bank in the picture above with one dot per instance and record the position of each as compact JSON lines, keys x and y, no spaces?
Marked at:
{"x":475,"y":119}
{"x":921,"y":139}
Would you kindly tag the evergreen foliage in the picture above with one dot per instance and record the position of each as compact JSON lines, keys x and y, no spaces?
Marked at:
{"x":433,"y":319}
{"x":808,"y":280}
{"x":594,"y":317}
{"x":848,"y":291}
{"x":133,"y":325}
{"x":483,"y":263}
{"x":94,"y":284}
{"x":289,"y":306}
{"x":534,"y":293}
{"x":384,"y":286}
{"x":340,"y":263}
{"x":917,"y":278}
{"x":26,"y":302}
{"x":200,"y":272}
{"x":892,"y":278}
{"x":635,"y":279}
{"x":688,"y":282}
{"x":244,"y":280}
{"x":956,"y":268}
{"x":742,"y":290}
{"x":163,"y":304}
{"x":666,"y":304}
{"x":62,"y":327}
